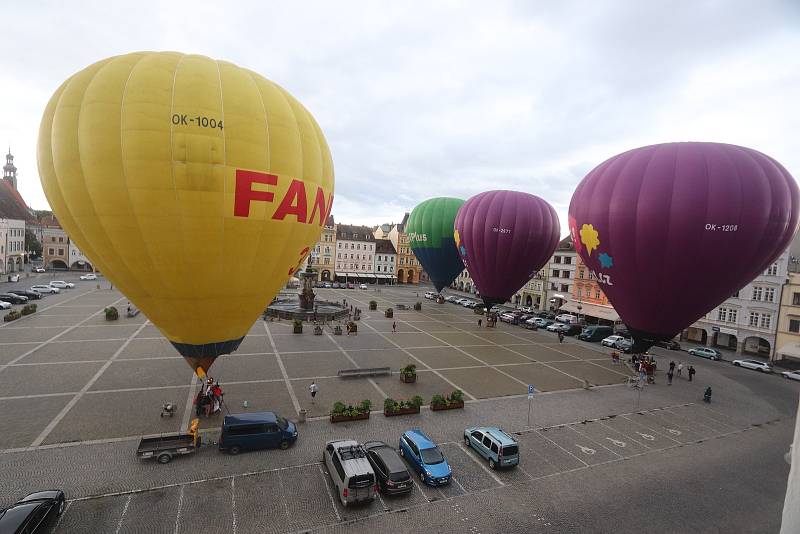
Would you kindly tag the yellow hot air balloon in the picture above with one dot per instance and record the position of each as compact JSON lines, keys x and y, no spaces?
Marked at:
{"x":196,"y":186}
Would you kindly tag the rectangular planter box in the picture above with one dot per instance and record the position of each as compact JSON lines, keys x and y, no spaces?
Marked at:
{"x":401,"y":411}
{"x":344,"y":418}
{"x":408,"y":379}
{"x":451,"y":406}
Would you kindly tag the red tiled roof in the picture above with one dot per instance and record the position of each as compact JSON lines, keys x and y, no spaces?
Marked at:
{"x":12,"y":206}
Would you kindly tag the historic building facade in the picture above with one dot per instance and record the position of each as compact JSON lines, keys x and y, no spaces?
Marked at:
{"x":408,"y":267}
{"x":385,"y":261}
{"x":55,"y":248}
{"x":355,"y":251}
{"x":322,"y":259}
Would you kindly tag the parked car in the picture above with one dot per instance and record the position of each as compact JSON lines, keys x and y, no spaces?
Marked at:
{"x":362,"y":286}
{"x":625,"y":345}
{"x":35,"y":513}
{"x":61,"y":284}
{"x":792,"y":375}
{"x":350,"y":471}
{"x":757,"y":365}
{"x":257,"y":430}
{"x":4,"y":305}
{"x":508,"y":318}
{"x":391,"y":472}
{"x":526,"y":309}
{"x":328,"y":285}
{"x":336,"y":285}
{"x":497,"y":447}
{"x":350,"y":286}
{"x":13,"y":299}
{"x":450,"y":298}
{"x":595,"y":333}
{"x":430,"y":295}
{"x":44,"y":289}
{"x":40,"y":270}
{"x":611,"y":341}
{"x":90,"y":276}
{"x":572,"y":329}
{"x":32,"y":295}
{"x":555,"y":327}
{"x":495,"y":309}
{"x":530,"y":324}
{"x":542,"y":323}
{"x":705,"y":352}
{"x":670,"y":344}
{"x":425,"y":458}
{"x":567,"y":318}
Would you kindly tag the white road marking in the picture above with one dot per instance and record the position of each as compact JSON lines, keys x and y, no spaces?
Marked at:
{"x":355,"y":364}
{"x":285,"y":375}
{"x":65,"y":410}
{"x":122,"y":517}
{"x":180,"y":505}
{"x":328,"y":491}
{"x":233,"y":503}
{"x":473,"y":457}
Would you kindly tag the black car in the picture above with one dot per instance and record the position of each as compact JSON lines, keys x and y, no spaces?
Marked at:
{"x":12,"y":298}
{"x":572,"y":329}
{"x":25,"y":293}
{"x":671,"y":345}
{"x":391,"y":471}
{"x":35,"y":513}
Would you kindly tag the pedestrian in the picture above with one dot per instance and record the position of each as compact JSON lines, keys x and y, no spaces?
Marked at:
{"x":480,"y":322}
{"x":691,"y":373}
{"x":561,"y":337}
{"x":672,"y":367}
{"x":394,"y":327}
{"x":642,"y":372}
{"x":680,"y":368}
{"x":313,"y":388}
{"x":669,"y":377}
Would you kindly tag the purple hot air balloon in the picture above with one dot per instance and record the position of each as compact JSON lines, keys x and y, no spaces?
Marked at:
{"x":670,"y":231}
{"x":504,"y":238}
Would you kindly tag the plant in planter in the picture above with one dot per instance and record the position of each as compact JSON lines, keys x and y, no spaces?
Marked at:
{"x":112,"y":314}
{"x":373,"y":305}
{"x":13,"y":315}
{"x":392,"y":407}
{"x":453,"y":401}
{"x":340,"y":412}
{"x":417,"y":306}
{"x":408,"y":374}
{"x":317,"y":330}
{"x":297,"y":326}
{"x":389,"y":313}
{"x":28,"y":309}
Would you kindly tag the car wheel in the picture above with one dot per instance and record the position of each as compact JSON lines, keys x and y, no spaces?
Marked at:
{"x":235,"y":450}
{"x":403,"y":454}
{"x":422,"y":477}
{"x":492,"y":465}
{"x":284,"y":445}
{"x":760,"y":370}
{"x":466,"y":441}
{"x":164,"y":458}
{"x":736,"y":364}
{"x":61,"y":505}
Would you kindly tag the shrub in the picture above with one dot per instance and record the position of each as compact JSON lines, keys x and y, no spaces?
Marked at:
{"x":298,"y":322}
{"x":112,"y":314}
{"x":409,"y":369}
{"x":438,"y":399}
{"x":417,"y":306}
{"x":28,"y":309}
{"x":373,"y":305}
{"x":338,"y":408}
{"x":456,"y":396}
{"x":13,"y":315}
{"x":365,"y":406}
{"x":416,"y":401}
{"x":389,"y":404}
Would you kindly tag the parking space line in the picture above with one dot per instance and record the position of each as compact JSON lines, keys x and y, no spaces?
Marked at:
{"x":592,"y":440}
{"x":385,"y":508}
{"x":427,"y":500}
{"x":560,"y":447}
{"x":74,"y":400}
{"x":474,"y":459}
{"x":454,"y":479}
{"x":61,"y":517}
{"x":697,"y":413}
{"x":355,"y":363}
{"x":624,"y":435}
{"x":180,"y":505}
{"x":650,"y":429}
{"x":285,"y":375}
{"x":328,"y":491}
{"x":187,"y":411}
{"x":233,"y":504}
{"x":124,"y":511}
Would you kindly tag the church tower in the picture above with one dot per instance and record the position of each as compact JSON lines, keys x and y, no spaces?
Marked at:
{"x":9,"y":170}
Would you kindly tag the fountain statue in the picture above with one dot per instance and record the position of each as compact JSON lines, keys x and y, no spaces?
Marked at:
{"x":307,"y":295}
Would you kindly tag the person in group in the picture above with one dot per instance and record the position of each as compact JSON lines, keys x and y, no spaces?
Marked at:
{"x":217,"y":395}
{"x":669,"y":376}
{"x":707,"y":394}
{"x":672,"y":366}
{"x":691,"y":372}
{"x":680,"y":368}
{"x":642,"y":371}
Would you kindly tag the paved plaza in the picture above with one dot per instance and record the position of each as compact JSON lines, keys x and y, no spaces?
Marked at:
{"x":78,"y":392}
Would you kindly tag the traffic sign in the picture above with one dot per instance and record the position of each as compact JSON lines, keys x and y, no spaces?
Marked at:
{"x":530,"y":389}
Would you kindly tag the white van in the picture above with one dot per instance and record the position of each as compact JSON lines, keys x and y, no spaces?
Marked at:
{"x":567,"y":318}
{"x":350,"y":471}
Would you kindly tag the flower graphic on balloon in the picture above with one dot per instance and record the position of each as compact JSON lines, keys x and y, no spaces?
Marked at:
{"x":590,"y":238}
{"x":606,"y":261}
{"x":457,"y":237}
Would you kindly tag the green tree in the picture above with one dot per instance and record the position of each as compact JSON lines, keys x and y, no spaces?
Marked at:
{"x":32,"y":244}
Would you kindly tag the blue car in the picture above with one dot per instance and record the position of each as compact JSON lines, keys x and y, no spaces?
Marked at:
{"x":425,"y":458}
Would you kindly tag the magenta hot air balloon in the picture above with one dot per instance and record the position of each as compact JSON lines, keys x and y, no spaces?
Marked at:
{"x":504,"y":238}
{"x":670,"y":231}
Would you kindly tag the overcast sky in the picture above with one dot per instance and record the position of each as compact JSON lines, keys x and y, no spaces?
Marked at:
{"x":422,"y":99}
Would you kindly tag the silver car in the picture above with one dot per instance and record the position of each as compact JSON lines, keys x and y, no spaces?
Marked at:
{"x":756,"y":365}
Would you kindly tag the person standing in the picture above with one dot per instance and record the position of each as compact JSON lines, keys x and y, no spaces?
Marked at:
{"x":313,"y":388}
{"x":394,"y":327}
{"x":480,"y":322}
{"x":561,"y":337}
{"x":680,"y":368}
{"x":691,"y":372}
{"x":672,"y":366}
{"x":669,"y":377}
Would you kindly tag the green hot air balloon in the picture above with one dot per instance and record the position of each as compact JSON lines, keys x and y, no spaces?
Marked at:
{"x":430,"y":234}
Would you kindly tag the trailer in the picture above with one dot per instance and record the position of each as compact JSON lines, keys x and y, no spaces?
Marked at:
{"x":165,"y":446}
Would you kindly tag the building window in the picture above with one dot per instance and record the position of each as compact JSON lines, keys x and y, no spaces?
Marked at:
{"x":766,"y":320}
{"x":773,"y":269}
{"x":769,"y":294}
{"x":60,"y":239}
{"x":580,"y":274}
{"x":795,"y":299}
{"x":61,"y":252}
{"x":564,"y":274}
{"x":732,"y":315}
{"x":556,"y":259}
{"x":564,"y":287}
{"x":757,"y":293}
{"x":597,"y":293}
{"x":555,"y":273}
{"x":754,"y":317}
{"x":326,"y":261}
{"x":567,"y":260}
{"x":794,"y":325}
{"x":722,"y":314}
{"x":580,"y":292}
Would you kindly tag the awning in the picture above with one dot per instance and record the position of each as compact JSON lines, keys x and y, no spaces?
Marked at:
{"x":370,"y":275}
{"x":593,"y":310}
{"x":790,"y":349}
